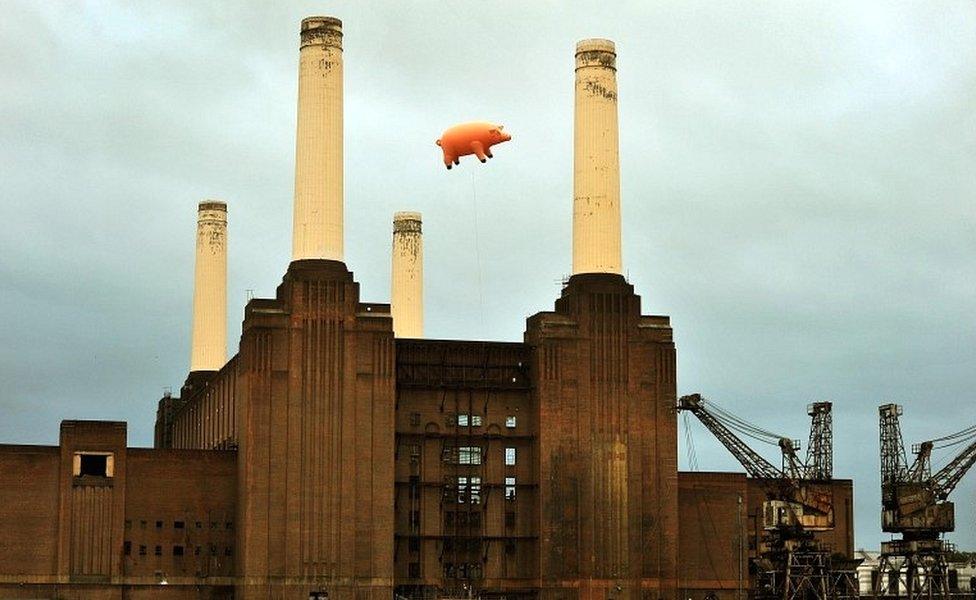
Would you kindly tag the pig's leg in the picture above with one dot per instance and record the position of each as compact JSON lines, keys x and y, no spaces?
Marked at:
{"x":457,"y":160}
{"x":488,"y":152}
{"x":479,"y":150}
{"x":447,"y":160}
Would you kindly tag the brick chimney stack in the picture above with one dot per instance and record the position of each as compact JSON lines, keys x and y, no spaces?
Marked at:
{"x":596,"y":164}
{"x":318,"y":151}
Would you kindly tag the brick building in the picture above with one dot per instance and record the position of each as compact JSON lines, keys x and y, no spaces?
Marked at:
{"x":330,"y":458}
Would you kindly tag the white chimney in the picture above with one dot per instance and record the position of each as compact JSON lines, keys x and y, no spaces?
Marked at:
{"x":407,"y":280}
{"x":318,"y":148}
{"x":596,"y":164}
{"x":209,"y":346}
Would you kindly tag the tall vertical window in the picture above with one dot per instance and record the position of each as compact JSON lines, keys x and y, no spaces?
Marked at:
{"x":510,"y":421}
{"x":466,"y":420}
{"x":509,"y":456}
{"x":510,"y":488}
{"x":469,"y":490}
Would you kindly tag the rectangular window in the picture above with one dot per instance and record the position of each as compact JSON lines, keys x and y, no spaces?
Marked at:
{"x":142,"y":550}
{"x":93,"y":464}
{"x":177,"y":550}
{"x":415,"y":419}
{"x":128,"y":524}
{"x":469,"y":455}
{"x":510,"y":421}
{"x":414,"y":452}
{"x":159,"y":551}
{"x":178,"y":524}
{"x":127,"y":548}
{"x":469,"y":420}
{"x":469,"y":490}
{"x":414,"y":544}
{"x":510,"y":488}
{"x":159,"y":524}
{"x":510,"y":547}
{"x":509,"y":456}
{"x":462,"y":489}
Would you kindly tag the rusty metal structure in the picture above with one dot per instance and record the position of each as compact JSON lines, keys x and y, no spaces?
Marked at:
{"x":791,"y":564}
{"x":915,"y":506}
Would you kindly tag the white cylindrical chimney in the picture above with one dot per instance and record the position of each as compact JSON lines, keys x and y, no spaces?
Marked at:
{"x":318,"y":149}
{"x":208,"y":350}
{"x":596,"y":164}
{"x":407,"y":280}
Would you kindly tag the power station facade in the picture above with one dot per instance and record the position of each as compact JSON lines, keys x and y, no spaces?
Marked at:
{"x":339,"y":454}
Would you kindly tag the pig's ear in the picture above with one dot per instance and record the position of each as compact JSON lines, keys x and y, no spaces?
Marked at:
{"x":501,"y":127}
{"x":493,"y":131}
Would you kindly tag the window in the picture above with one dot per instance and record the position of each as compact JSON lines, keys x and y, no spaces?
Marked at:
{"x":213,"y":549}
{"x":449,"y":570}
{"x":177,"y":550}
{"x":469,"y":455}
{"x":414,"y":453}
{"x":414,"y":569}
{"x":228,"y":551}
{"x":142,"y":524}
{"x":159,"y":524}
{"x":510,"y":518}
{"x":142,"y":550}
{"x":178,"y":524}
{"x":414,"y":519}
{"x":414,"y":544}
{"x":469,"y":420}
{"x":510,"y":421}
{"x":510,"y":488}
{"x":127,"y":548}
{"x":509,"y":457}
{"x":414,"y":487}
{"x":196,"y":551}
{"x":415,"y":419}
{"x":93,"y":464}
{"x":159,"y":551}
{"x":198,"y":525}
{"x":510,"y":547}
{"x":128,"y":524}
{"x":229,"y":525}
{"x":469,"y":490}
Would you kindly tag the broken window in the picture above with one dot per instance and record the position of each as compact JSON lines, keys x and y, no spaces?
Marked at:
{"x":510,"y":421}
{"x":510,"y":456}
{"x":510,"y":488}
{"x":93,"y":464}
{"x":469,"y":490}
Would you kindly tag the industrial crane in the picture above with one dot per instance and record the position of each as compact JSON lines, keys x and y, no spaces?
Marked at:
{"x":791,"y":565}
{"x":915,"y":505}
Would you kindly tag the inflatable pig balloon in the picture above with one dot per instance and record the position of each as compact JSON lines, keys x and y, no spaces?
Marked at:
{"x":471,"y":138}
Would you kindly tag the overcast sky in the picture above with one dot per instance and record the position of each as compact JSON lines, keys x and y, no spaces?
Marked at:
{"x":797,"y":186}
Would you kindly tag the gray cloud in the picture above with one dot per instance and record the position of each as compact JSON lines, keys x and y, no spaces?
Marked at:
{"x":797,"y":184}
